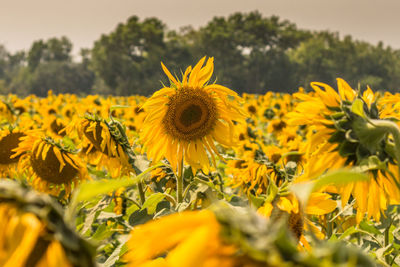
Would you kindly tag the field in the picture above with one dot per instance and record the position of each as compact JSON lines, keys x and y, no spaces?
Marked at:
{"x":196,"y":175}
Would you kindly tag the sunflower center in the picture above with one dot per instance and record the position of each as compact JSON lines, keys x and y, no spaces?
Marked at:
{"x":57,"y":126}
{"x":252,"y":109}
{"x":7,"y":144}
{"x":191,"y":114}
{"x":49,"y":168}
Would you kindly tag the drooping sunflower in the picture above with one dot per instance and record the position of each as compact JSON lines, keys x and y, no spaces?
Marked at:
{"x":185,"y":119}
{"x":257,"y":178}
{"x":34,"y":233}
{"x":9,"y":140}
{"x":335,"y":141}
{"x":223,"y":236}
{"x":102,"y":147}
{"x":7,"y":112}
{"x":50,"y":165}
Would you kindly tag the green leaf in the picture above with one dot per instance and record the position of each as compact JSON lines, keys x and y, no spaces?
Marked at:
{"x":369,"y":228}
{"x":256,"y":201}
{"x":340,"y":177}
{"x":139,"y":217}
{"x":117,"y":253}
{"x":358,"y":108}
{"x":152,"y":202}
{"x":102,"y":232}
{"x":94,"y":188}
{"x":118,"y":107}
{"x":348,"y":232}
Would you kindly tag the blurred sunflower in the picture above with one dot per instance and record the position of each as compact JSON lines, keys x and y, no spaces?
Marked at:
{"x":51,"y":166}
{"x":200,"y":238}
{"x":103,"y":148}
{"x":7,"y":112}
{"x":297,"y":218}
{"x":266,"y":182}
{"x":9,"y":140}
{"x":334,"y":141}
{"x":54,"y":125}
{"x":33,"y":232}
{"x":189,"y":239}
{"x":23,"y":240}
{"x":185,"y":119}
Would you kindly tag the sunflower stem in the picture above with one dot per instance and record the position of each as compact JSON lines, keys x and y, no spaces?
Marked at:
{"x":387,"y":233}
{"x":179,"y":184}
{"x":141,"y":192}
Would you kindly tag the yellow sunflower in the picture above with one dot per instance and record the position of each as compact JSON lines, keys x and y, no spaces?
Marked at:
{"x":9,"y":140}
{"x":297,"y":219}
{"x":185,"y":119}
{"x":51,"y":166}
{"x":33,"y":232}
{"x":201,"y":238}
{"x":256,"y":179}
{"x":22,"y":235}
{"x":100,"y":145}
{"x":334,"y":143}
{"x":7,"y":113}
{"x":190,"y":239}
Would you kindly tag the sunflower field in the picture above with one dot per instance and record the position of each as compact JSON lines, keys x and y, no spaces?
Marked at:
{"x":196,"y":175}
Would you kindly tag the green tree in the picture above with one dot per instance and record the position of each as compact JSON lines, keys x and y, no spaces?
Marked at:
{"x":61,"y":77}
{"x":54,"y":49}
{"x":128,"y":59}
{"x":250,"y":50}
{"x":327,"y":57}
{"x":48,"y":66}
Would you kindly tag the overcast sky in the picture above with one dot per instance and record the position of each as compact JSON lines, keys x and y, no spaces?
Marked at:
{"x":83,"y":21}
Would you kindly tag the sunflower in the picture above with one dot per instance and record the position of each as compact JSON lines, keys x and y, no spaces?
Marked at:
{"x":7,"y":112}
{"x":334,"y":142}
{"x":185,"y":119}
{"x":298,"y":221}
{"x":203,"y":238}
{"x":34,"y":233}
{"x":9,"y":140}
{"x":51,"y":165}
{"x":100,"y":145}
{"x":194,"y":231}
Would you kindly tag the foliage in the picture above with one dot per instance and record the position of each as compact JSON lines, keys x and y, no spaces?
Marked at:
{"x":253,"y":53}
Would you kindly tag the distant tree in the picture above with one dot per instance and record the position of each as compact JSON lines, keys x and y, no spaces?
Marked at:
{"x":61,"y":77}
{"x":252,"y":54}
{"x":54,"y":49}
{"x":250,"y":50}
{"x":128,"y":58}
{"x":49,"y":66}
{"x":327,"y":57}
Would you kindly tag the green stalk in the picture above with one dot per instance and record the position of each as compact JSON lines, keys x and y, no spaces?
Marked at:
{"x":141,"y":193}
{"x":179,"y":184}
{"x":387,"y":232}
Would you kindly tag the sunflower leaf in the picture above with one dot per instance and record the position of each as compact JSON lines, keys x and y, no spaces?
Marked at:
{"x":340,"y":177}
{"x":358,"y":108}
{"x":152,"y":202}
{"x":88,"y":190}
{"x":364,"y":225}
{"x":118,"y":107}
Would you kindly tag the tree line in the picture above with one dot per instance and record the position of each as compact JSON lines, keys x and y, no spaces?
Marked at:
{"x":253,"y":54}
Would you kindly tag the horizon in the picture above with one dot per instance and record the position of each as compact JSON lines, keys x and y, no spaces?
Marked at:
{"x":44,"y":19}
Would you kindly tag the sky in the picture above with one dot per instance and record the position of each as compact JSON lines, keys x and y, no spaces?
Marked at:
{"x":83,"y":21}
